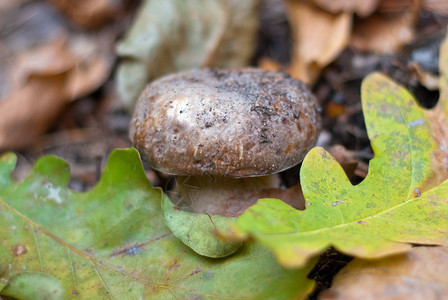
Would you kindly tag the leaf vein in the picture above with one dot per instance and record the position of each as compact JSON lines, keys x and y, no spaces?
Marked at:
{"x":39,"y":255}
{"x":72,"y":265}
{"x":311,"y":232}
{"x":342,"y":220}
{"x":109,"y":294}
{"x":96,"y":263}
{"x":411,"y":153}
{"x":79,"y":252}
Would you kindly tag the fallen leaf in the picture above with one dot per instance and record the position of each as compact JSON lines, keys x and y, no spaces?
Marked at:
{"x":29,"y":286}
{"x":45,"y":79}
{"x":200,"y":207}
{"x":208,"y":195}
{"x":437,"y":6}
{"x":417,"y":274}
{"x":443,"y":78}
{"x":24,"y":27}
{"x":40,"y":72}
{"x":427,"y":79}
{"x":385,"y":32}
{"x":318,"y":37}
{"x":93,"y":64}
{"x":402,"y":201}
{"x":49,"y":59}
{"x":91,"y":14}
{"x":196,"y":230}
{"x":112,"y":240}
{"x":170,"y":36}
{"x":6,"y":5}
{"x":348,"y":161}
{"x":395,"y":6}
{"x":361,"y":8}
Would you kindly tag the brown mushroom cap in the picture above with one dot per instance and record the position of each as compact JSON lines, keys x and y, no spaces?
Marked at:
{"x":238,"y":123}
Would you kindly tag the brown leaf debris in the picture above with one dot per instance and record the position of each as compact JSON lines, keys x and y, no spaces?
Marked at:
{"x":319,"y":36}
{"x":418,"y":274}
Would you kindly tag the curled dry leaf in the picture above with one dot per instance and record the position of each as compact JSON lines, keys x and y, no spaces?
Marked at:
{"x":93,"y":64}
{"x":197,"y":231}
{"x":387,"y":31}
{"x":443,"y":70}
{"x":437,"y":6}
{"x":427,"y":79}
{"x":319,"y":36}
{"x":200,"y":231}
{"x":236,"y":201}
{"x":170,"y":36}
{"x":91,"y":14}
{"x":395,"y":6}
{"x":361,"y":8}
{"x":417,"y":274}
{"x":6,"y":5}
{"x":348,"y":161}
{"x":46,"y":78}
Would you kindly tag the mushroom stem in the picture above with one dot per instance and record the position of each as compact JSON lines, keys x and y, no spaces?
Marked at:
{"x":221,"y":195}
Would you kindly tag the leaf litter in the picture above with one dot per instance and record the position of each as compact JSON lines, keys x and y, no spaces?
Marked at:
{"x":131,"y":247}
{"x":400,"y":202}
{"x":416,"y":274}
{"x":42,"y":57}
{"x":112,"y":240}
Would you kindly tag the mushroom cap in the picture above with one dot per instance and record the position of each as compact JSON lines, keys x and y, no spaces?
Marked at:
{"x":238,"y":123}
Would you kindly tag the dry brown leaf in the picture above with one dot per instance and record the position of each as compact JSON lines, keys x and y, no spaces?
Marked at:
{"x":91,"y":14}
{"x":386,"y":33}
{"x":437,"y":6}
{"x":427,"y":79}
{"x":362,"y":8}
{"x":49,"y":59}
{"x":237,"y":204}
{"x":6,"y":5}
{"x":418,"y":274}
{"x":348,"y":161}
{"x":30,"y":110}
{"x":318,"y":36}
{"x":93,"y":66}
{"x":269,"y":64}
{"x":199,"y":193}
{"x":395,"y":6}
{"x":45,"y":80}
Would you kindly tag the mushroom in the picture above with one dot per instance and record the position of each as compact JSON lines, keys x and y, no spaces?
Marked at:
{"x":224,"y":133}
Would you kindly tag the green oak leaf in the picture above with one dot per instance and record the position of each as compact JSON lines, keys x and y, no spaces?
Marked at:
{"x":111,"y":242}
{"x":198,"y":231}
{"x":31,"y":286}
{"x":403,"y":199}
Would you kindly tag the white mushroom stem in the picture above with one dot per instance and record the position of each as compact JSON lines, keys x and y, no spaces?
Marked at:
{"x":220,"y":195}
